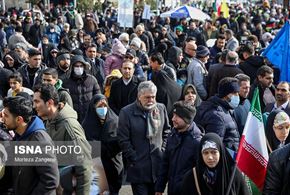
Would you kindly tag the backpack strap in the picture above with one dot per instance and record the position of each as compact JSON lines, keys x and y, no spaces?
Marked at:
{"x":196,"y":181}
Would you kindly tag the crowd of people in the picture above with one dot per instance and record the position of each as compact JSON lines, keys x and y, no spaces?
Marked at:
{"x":168,"y":107}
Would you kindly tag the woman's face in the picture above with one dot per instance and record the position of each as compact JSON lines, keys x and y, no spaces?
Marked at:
{"x":281,"y":131}
{"x":10,"y":61}
{"x":190,"y":96}
{"x":211,"y":157}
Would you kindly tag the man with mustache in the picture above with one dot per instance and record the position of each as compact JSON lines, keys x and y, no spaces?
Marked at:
{"x":142,"y":131}
{"x":282,"y":93}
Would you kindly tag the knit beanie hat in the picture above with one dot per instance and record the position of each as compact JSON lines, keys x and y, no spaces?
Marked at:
{"x":225,"y":88}
{"x":202,"y":51}
{"x":136,"y":42}
{"x":62,"y":56}
{"x":184,"y":111}
{"x":118,"y":48}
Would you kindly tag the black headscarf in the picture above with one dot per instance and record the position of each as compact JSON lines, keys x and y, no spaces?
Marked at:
{"x":94,"y":128}
{"x":168,"y":91}
{"x":17,"y":61}
{"x":223,"y":170}
{"x":269,"y":131}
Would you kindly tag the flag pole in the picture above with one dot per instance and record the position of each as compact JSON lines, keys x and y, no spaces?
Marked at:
{"x":232,"y":179}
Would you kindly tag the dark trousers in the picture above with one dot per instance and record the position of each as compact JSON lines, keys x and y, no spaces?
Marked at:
{"x":113,"y":167}
{"x":143,"y":188}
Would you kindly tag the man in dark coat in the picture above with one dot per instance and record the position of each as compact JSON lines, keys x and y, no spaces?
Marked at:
{"x":264,"y":81}
{"x":32,"y":71}
{"x":215,"y":114}
{"x":282,"y":94}
{"x":30,"y":180}
{"x":82,"y":86}
{"x":174,"y":57}
{"x":124,"y":90}
{"x":189,"y":52}
{"x":143,"y":130}
{"x":63,"y":61}
{"x":278,"y":172}
{"x":97,"y":64}
{"x":251,"y":63}
{"x":229,"y":69}
{"x":218,"y":47}
{"x":184,"y":141}
{"x":36,"y":32}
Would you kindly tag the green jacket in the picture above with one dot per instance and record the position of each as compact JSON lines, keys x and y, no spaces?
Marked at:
{"x":65,"y":127}
{"x":63,"y":93}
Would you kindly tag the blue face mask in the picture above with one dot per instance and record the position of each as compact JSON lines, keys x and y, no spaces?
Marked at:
{"x":102,"y":112}
{"x":234,"y":102}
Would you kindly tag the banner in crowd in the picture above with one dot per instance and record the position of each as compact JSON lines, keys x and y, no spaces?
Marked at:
{"x":125,"y":13}
{"x":278,"y":52}
{"x":252,"y":157}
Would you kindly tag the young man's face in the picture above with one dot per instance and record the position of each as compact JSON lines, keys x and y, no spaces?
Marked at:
{"x":267,"y":80}
{"x":9,"y":120}
{"x":34,"y":61}
{"x":91,"y":52}
{"x":39,"y":105}
{"x":15,"y":85}
{"x":48,"y":79}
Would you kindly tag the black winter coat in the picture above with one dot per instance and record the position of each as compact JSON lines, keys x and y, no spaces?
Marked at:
{"x":215,"y":115}
{"x":179,"y":145}
{"x":277,"y":180}
{"x":142,"y":153}
{"x":82,"y":89}
{"x":25,"y":75}
{"x":251,"y":65}
{"x":116,"y":101}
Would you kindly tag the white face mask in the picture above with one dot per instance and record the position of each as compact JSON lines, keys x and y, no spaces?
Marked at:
{"x":78,"y":71}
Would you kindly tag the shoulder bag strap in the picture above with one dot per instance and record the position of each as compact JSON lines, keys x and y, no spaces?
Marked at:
{"x":196,"y":181}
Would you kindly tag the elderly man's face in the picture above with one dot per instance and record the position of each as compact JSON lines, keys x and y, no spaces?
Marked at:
{"x":147,"y":99}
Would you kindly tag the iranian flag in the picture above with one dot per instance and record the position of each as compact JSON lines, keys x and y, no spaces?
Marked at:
{"x":252,"y":157}
{"x":217,"y":6}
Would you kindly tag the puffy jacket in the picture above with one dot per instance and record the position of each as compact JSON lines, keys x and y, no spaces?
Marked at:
{"x":214,"y":115}
{"x":278,"y":173}
{"x":172,"y":169}
{"x":82,"y":89}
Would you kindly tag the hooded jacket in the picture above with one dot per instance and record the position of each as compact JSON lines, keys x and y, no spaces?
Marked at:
{"x":35,"y":180}
{"x":215,"y":115}
{"x":115,"y":59}
{"x":65,"y":127}
{"x":172,"y":59}
{"x":81,"y":89}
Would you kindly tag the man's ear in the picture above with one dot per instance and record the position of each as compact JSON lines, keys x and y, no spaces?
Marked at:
{"x":50,"y":102}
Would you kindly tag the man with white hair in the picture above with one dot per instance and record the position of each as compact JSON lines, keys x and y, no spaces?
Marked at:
{"x":143,"y":130}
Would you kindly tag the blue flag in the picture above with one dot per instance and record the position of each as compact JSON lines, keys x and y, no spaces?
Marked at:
{"x":278,"y":52}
